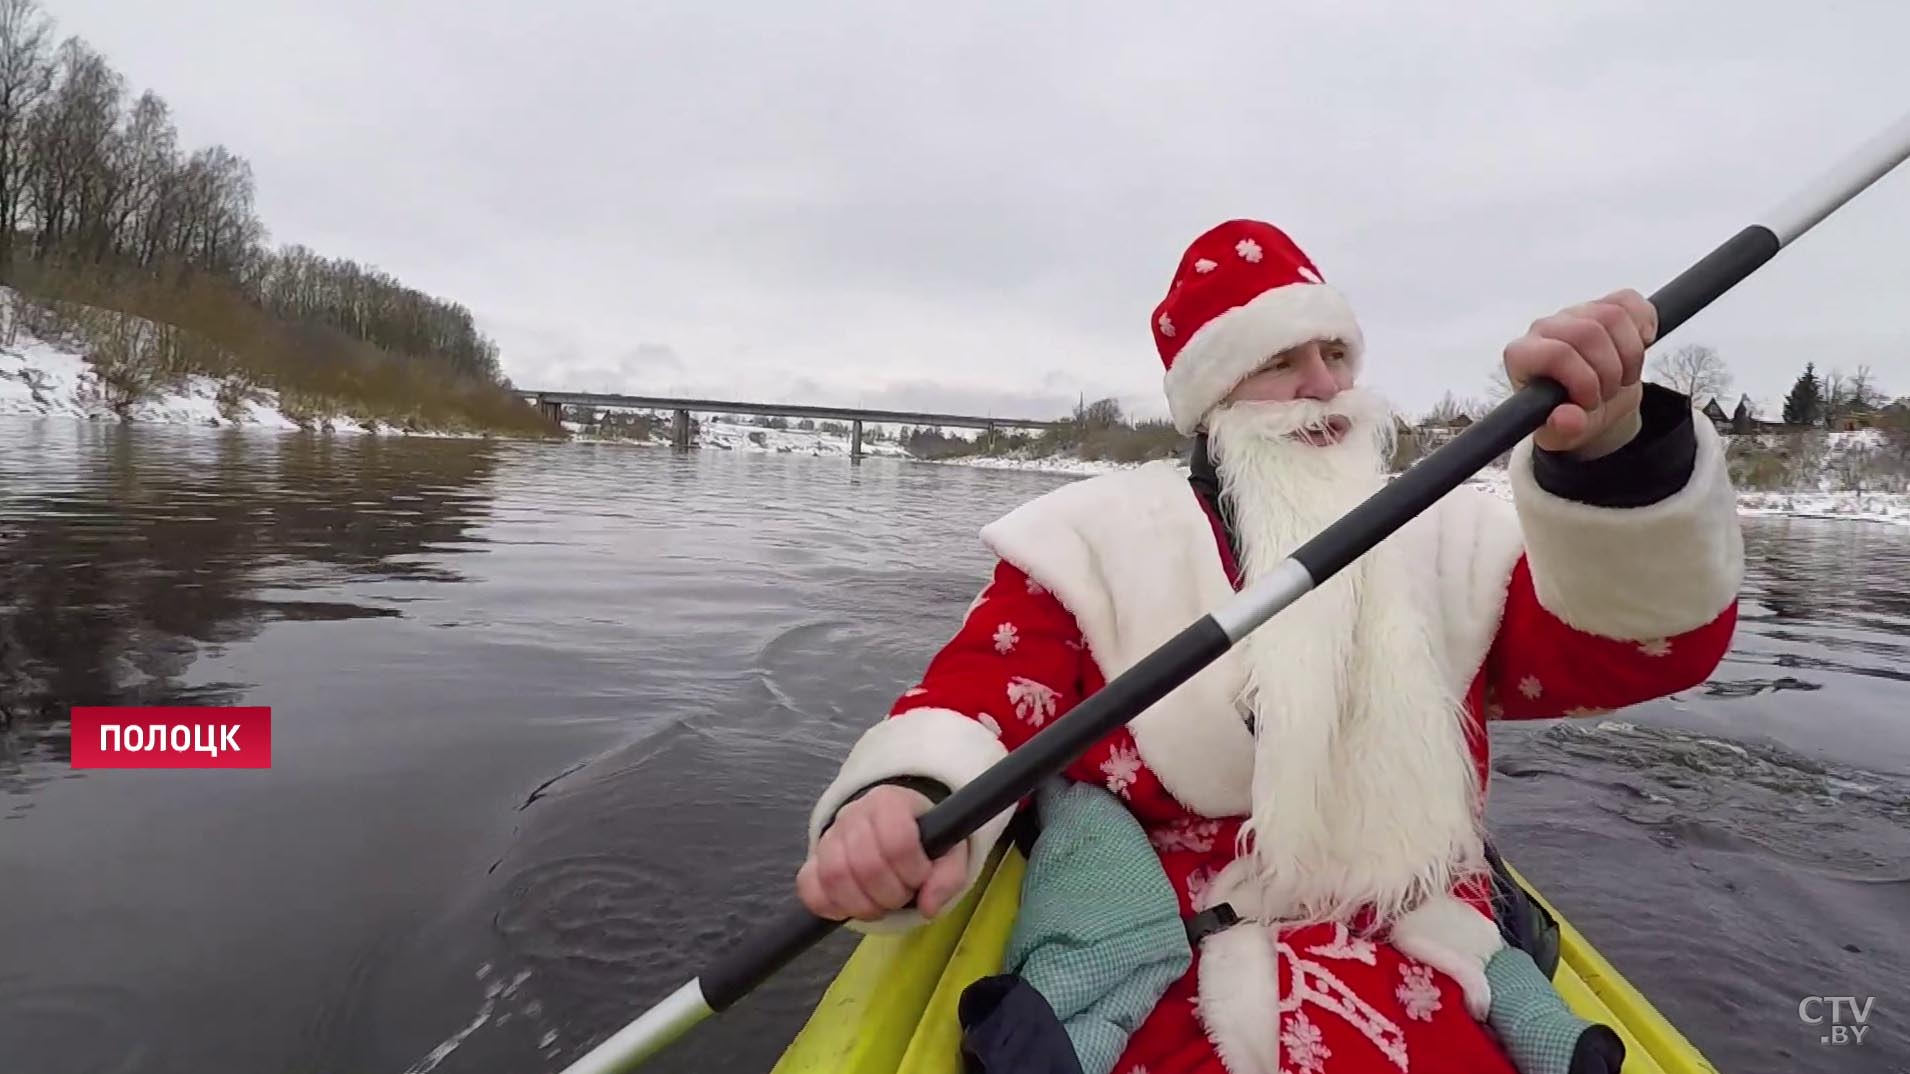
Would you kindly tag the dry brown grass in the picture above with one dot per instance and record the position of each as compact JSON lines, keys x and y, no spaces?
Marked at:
{"x":144,"y":333}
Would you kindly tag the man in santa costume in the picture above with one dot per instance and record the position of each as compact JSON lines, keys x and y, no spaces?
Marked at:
{"x":1325,"y":779}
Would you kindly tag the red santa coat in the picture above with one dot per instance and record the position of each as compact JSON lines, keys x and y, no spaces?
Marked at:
{"x":1559,"y":608}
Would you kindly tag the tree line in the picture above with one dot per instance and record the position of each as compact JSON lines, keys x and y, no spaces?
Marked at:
{"x":94,"y":183}
{"x":1835,"y":398}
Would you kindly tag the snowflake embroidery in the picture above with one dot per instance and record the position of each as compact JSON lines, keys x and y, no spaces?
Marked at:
{"x":1655,"y":647}
{"x":1034,"y":588}
{"x":1315,"y":986}
{"x":1345,"y":945}
{"x":1309,"y":275}
{"x":1248,"y":250}
{"x":1194,"y":835}
{"x":1494,"y":710}
{"x":1198,"y":882}
{"x":1531,"y":687}
{"x":1588,"y":712}
{"x":1204,"y":266}
{"x":1417,"y":992}
{"x":989,"y":722}
{"x":1139,"y":1069}
{"x":1303,"y":1042}
{"x":1005,"y":638}
{"x":1167,"y":326}
{"x":1122,"y":768}
{"x":1033,"y":702}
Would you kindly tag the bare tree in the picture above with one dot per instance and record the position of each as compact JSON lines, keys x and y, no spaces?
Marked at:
{"x":1451,"y":407}
{"x":1836,"y":397}
{"x":25,"y":76}
{"x":1498,"y":385}
{"x":1693,"y":370}
{"x":70,"y":135}
{"x":143,"y":156}
{"x":98,"y":191}
{"x":1865,"y":396}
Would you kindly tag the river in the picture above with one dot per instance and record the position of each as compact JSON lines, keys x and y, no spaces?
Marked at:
{"x":547,"y":720}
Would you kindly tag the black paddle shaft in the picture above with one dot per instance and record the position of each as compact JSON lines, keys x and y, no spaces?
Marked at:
{"x":762,"y":954}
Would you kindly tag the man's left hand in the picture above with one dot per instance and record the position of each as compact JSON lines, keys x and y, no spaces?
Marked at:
{"x":1597,"y":351}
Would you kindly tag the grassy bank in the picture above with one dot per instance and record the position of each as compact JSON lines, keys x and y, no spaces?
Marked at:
{"x":146,"y":338}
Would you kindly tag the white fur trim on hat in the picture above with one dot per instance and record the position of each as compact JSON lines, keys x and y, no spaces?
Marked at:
{"x":1634,"y":573}
{"x":1233,"y":346}
{"x":938,"y":744}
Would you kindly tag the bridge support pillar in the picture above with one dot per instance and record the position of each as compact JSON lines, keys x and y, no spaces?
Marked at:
{"x":680,"y":431}
{"x":855,"y":442}
{"x":552,"y":411}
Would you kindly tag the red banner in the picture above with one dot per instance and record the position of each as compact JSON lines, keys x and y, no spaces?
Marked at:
{"x":172,"y":738}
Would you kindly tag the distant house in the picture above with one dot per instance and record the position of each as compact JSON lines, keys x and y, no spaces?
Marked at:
{"x":1719,"y":418}
{"x":1435,"y":433}
{"x":1745,"y":422}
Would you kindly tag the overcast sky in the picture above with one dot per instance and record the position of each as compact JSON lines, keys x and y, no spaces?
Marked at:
{"x":974,"y":207}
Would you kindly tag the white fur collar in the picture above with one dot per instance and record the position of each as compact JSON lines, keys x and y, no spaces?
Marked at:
{"x":1132,"y":555}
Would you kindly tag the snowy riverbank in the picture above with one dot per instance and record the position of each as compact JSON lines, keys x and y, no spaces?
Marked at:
{"x":41,"y":379}
{"x":45,"y":379}
{"x":1886,"y":507}
{"x":737,"y":436}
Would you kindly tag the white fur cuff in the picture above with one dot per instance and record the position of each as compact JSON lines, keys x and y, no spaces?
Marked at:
{"x":938,"y":744}
{"x":1456,"y":940}
{"x":1633,"y":573}
{"x":1237,"y":998}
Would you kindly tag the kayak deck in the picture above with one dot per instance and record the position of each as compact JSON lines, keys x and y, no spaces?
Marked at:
{"x":892,"y":1008}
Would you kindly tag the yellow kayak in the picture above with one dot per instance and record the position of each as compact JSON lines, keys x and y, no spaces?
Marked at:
{"x":891,"y":1009}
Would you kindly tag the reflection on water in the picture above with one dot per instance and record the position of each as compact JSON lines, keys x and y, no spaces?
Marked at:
{"x":118,"y":571}
{"x":548,"y":720}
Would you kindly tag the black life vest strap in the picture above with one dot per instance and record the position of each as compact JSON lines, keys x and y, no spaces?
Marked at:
{"x":1217,"y":918}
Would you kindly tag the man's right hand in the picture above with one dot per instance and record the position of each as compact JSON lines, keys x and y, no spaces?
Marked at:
{"x":871,"y":861}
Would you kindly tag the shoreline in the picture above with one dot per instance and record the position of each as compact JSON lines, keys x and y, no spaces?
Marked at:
{"x":1886,"y":508}
{"x":44,"y":380}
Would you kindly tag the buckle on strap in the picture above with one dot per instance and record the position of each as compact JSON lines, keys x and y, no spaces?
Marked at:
{"x":1214,"y":919}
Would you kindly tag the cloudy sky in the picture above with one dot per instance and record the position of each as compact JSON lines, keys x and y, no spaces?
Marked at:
{"x":975,"y":206}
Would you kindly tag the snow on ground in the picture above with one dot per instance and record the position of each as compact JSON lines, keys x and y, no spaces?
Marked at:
{"x":39,"y":378}
{"x":1891,"y":507}
{"x":1054,"y":464}
{"x":737,"y":436}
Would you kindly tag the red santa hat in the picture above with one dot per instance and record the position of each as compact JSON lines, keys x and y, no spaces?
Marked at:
{"x":1243,"y":293}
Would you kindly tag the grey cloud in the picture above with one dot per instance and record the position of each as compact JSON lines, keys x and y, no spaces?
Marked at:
{"x":985,"y":198}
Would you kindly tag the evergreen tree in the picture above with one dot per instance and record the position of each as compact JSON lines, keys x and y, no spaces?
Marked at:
{"x":1805,"y":404}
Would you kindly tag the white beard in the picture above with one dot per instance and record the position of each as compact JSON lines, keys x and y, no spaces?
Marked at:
{"x":1364,"y":790}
